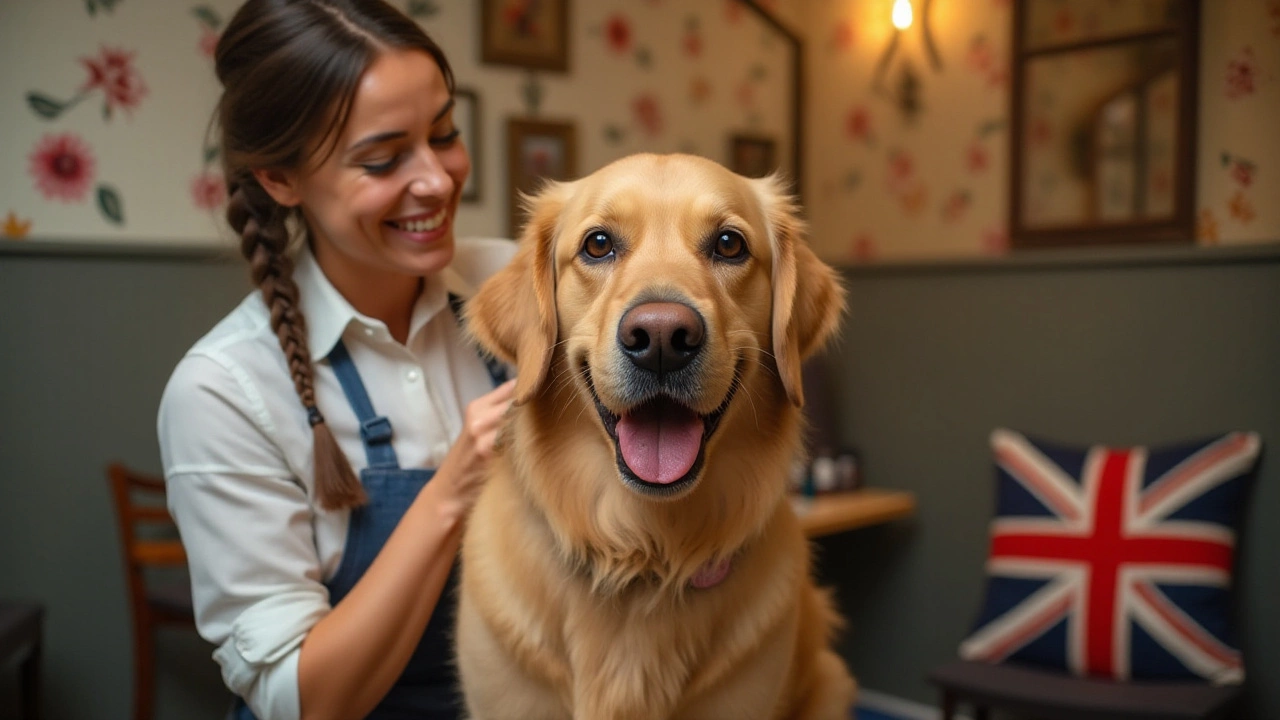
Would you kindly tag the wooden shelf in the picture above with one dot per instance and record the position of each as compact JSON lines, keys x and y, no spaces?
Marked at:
{"x":833,"y":513}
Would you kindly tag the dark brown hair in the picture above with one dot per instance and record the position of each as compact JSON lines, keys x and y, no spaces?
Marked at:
{"x":289,"y":71}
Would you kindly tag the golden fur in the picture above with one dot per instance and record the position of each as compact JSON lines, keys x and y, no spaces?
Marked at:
{"x":577,"y":598}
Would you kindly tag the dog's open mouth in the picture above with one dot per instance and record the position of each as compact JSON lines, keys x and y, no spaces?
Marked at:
{"x":660,"y":443}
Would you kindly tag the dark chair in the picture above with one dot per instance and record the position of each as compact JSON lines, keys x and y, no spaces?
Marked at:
{"x":21,"y":631}
{"x":152,"y":603}
{"x":1049,"y":695}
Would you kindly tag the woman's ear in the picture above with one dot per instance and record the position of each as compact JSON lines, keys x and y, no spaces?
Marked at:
{"x":281,"y":185}
{"x":513,"y":315}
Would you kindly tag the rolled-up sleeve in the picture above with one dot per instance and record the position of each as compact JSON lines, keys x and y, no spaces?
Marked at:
{"x":247,"y":525}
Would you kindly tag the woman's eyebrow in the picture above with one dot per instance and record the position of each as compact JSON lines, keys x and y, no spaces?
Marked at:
{"x":397,"y":134}
{"x":379,"y":138}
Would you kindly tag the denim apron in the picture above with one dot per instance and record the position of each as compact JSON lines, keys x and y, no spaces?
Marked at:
{"x":428,"y":688}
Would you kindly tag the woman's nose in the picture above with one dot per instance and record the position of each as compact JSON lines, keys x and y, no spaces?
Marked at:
{"x":429,"y":178}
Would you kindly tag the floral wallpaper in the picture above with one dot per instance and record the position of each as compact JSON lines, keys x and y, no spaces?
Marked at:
{"x":105,"y":121}
{"x":932,"y":181}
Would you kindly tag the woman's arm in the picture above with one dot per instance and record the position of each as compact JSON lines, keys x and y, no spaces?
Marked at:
{"x":352,"y":657}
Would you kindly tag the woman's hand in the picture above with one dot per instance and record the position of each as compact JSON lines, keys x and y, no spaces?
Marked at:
{"x":462,"y":473}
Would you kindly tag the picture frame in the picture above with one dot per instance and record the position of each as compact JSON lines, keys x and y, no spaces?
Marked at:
{"x":537,"y":150}
{"x":525,"y":35}
{"x":466,"y":118}
{"x":753,"y":155}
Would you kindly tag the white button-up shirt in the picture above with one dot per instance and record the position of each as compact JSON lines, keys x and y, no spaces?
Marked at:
{"x":237,"y":454}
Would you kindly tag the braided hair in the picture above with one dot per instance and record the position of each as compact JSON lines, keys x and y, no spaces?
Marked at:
{"x":289,"y":71}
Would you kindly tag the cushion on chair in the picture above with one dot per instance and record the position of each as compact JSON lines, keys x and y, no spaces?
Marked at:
{"x":1114,"y":562}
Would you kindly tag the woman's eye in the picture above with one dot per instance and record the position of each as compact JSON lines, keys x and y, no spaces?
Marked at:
{"x":598,"y":245}
{"x":381,"y":168}
{"x":730,"y":245}
{"x":445,"y":140}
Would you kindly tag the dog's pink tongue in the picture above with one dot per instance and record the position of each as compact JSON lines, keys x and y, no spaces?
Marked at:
{"x":660,"y":441}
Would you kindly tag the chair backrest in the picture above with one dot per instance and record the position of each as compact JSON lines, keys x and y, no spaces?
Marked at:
{"x":139,"y":503}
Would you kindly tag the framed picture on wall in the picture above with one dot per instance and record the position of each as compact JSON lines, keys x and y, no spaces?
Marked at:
{"x":753,"y":155}
{"x":537,"y":150}
{"x":466,"y":118}
{"x":525,"y":34}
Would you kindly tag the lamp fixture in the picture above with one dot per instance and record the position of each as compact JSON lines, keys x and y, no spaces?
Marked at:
{"x":902,"y":14}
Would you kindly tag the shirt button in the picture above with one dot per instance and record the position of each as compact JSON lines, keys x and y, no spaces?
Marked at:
{"x":411,"y":376}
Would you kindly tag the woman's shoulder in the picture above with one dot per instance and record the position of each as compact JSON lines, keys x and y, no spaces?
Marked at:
{"x":475,"y":259}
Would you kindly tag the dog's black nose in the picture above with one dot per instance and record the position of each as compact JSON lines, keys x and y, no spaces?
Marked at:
{"x":661,"y":337}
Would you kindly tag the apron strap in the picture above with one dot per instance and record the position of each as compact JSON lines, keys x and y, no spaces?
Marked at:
{"x":375,"y":429}
{"x":497,"y":369}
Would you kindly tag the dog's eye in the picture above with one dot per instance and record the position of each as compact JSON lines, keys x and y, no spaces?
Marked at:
{"x":598,"y":245}
{"x":730,"y":245}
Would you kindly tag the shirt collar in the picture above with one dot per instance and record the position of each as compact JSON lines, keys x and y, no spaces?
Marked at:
{"x":328,"y":313}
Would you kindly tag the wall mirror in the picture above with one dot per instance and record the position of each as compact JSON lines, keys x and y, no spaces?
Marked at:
{"x":1103,"y":121}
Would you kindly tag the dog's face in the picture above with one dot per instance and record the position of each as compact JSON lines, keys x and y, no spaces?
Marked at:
{"x":664,"y":292}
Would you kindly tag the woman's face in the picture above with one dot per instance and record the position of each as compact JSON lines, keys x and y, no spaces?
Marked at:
{"x":382,"y":203}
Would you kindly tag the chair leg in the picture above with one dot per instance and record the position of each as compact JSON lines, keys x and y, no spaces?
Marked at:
{"x":144,"y":655}
{"x":948,"y":705}
{"x":30,"y":684}
{"x":980,"y":712}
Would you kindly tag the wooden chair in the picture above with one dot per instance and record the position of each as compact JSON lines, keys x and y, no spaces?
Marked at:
{"x":1048,"y":695}
{"x":152,"y":603}
{"x":21,"y":633}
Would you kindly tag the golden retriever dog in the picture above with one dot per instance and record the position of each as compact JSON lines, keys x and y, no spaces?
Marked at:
{"x":634,"y":555}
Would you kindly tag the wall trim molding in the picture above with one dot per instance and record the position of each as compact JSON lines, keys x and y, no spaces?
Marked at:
{"x":203,"y":252}
{"x":1091,"y":258}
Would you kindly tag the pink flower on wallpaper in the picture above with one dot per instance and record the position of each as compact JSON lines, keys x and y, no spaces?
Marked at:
{"x":1207,"y":227}
{"x":1242,"y":172}
{"x":699,"y":90}
{"x":113,"y":71}
{"x":1241,"y":208}
{"x":692,"y":43}
{"x":980,"y":56}
{"x":1242,"y":75}
{"x":976,"y":158}
{"x":843,"y":35}
{"x":62,"y":166}
{"x":648,"y":113}
{"x":617,"y":32}
{"x":208,"y":191}
{"x":998,"y":77}
{"x":858,"y":124}
{"x":995,"y":241}
{"x":208,"y":42}
{"x":956,"y":206}
{"x":863,"y":248}
{"x":902,"y":167}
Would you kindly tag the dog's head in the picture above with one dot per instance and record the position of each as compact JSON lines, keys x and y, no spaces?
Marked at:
{"x":666,"y":295}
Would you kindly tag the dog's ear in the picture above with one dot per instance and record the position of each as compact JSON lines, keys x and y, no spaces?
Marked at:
{"x":808,"y":297}
{"x":513,"y":315}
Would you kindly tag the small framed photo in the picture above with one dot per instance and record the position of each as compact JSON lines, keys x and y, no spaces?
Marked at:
{"x":466,"y":118}
{"x":537,"y":150}
{"x":753,"y":155}
{"x":525,"y":34}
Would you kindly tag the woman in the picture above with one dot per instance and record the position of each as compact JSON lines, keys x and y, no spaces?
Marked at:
{"x":327,"y":594}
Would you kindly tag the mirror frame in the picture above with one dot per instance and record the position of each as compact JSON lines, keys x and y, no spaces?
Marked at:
{"x":797,"y":94}
{"x":1180,"y":227}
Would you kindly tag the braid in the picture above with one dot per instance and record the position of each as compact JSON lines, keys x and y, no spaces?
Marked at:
{"x":264,"y":240}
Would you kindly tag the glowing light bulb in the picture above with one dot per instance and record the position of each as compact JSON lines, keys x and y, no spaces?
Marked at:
{"x":902,"y":14}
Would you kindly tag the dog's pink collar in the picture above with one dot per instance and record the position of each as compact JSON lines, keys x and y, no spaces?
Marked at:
{"x":711,"y":573}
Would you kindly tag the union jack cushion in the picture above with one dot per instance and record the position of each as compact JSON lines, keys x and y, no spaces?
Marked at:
{"x":1114,"y":562}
